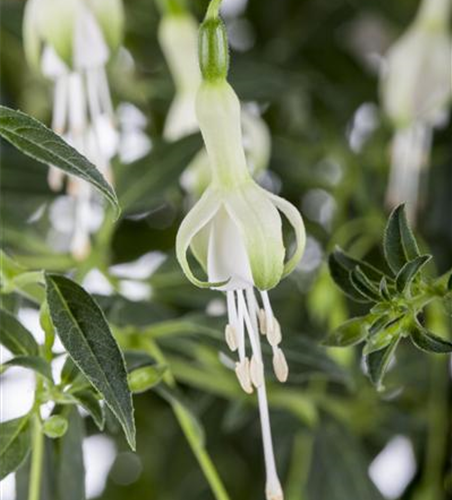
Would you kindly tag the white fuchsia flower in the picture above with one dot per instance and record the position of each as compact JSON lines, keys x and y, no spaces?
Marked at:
{"x":235,"y":233}
{"x":416,"y":90}
{"x":70,"y":42}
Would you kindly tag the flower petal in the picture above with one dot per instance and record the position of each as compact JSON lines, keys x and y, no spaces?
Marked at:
{"x":260,"y":226}
{"x":296,"y":221}
{"x":204,"y":210}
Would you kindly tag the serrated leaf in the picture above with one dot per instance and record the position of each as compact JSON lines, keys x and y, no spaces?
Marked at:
{"x":428,"y":341}
{"x":14,"y":444}
{"x":399,"y":243}
{"x":409,"y":271}
{"x":88,"y":400}
{"x":84,"y":332}
{"x":15,"y":337}
{"x":377,"y":363}
{"x":34,"y":139}
{"x":342,"y":278}
{"x":34,"y":363}
{"x":364,"y":285}
{"x":384,"y":335}
{"x":349,"y":333}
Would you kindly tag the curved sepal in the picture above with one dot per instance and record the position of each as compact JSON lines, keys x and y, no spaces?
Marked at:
{"x":203,"y":212}
{"x":296,"y":221}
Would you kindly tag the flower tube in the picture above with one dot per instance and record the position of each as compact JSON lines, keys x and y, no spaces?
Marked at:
{"x":235,"y":233}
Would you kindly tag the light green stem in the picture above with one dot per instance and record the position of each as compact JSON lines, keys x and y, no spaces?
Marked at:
{"x":185,"y":423}
{"x":213,"y":9}
{"x":34,"y":491}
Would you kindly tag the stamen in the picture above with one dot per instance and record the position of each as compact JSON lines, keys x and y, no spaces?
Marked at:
{"x":60,"y":104}
{"x":262,"y":322}
{"x":77,"y":107}
{"x":104,"y":92}
{"x":231,"y":337}
{"x":280,"y":365}
{"x":242,"y":370}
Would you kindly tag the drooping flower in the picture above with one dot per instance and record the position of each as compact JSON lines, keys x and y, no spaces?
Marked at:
{"x":70,"y":42}
{"x":415,"y":91}
{"x":235,"y":233}
{"x":178,"y":38}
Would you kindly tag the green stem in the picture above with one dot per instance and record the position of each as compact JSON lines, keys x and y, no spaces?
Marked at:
{"x":213,"y":9}
{"x":185,"y":423}
{"x":34,"y":491}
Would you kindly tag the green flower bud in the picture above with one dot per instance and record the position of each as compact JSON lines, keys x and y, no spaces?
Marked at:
{"x":146,"y":377}
{"x":55,"y":426}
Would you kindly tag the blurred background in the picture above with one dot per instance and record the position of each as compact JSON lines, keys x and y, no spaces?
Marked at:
{"x":311,"y":69}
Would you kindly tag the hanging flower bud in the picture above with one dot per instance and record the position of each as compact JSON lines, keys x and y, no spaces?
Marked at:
{"x":416,"y":77}
{"x":235,"y":232}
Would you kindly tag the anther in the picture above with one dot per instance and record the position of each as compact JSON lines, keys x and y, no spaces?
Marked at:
{"x":280,"y":365}
{"x":274,"y":333}
{"x":242,"y":370}
{"x":231,"y":337}
{"x":256,"y":371}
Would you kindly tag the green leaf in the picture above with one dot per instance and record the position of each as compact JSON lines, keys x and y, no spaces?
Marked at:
{"x":39,"y":142}
{"x":428,"y":341}
{"x":14,"y":444}
{"x":409,"y":271}
{"x":399,"y":243}
{"x":341,"y":276}
{"x":362,"y":283}
{"x":377,"y":363}
{"x":15,"y":337}
{"x":84,"y":332}
{"x":144,"y":378}
{"x":349,"y":333}
{"x":384,"y":290}
{"x":34,"y":363}
{"x":449,"y":283}
{"x":383,"y":334}
{"x":89,"y":401}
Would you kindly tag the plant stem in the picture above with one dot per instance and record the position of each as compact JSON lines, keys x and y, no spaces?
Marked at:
{"x":213,"y":9}
{"x":34,"y":491}
{"x":186,"y":425}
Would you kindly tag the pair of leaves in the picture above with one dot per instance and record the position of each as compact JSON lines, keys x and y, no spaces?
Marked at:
{"x":37,"y":141}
